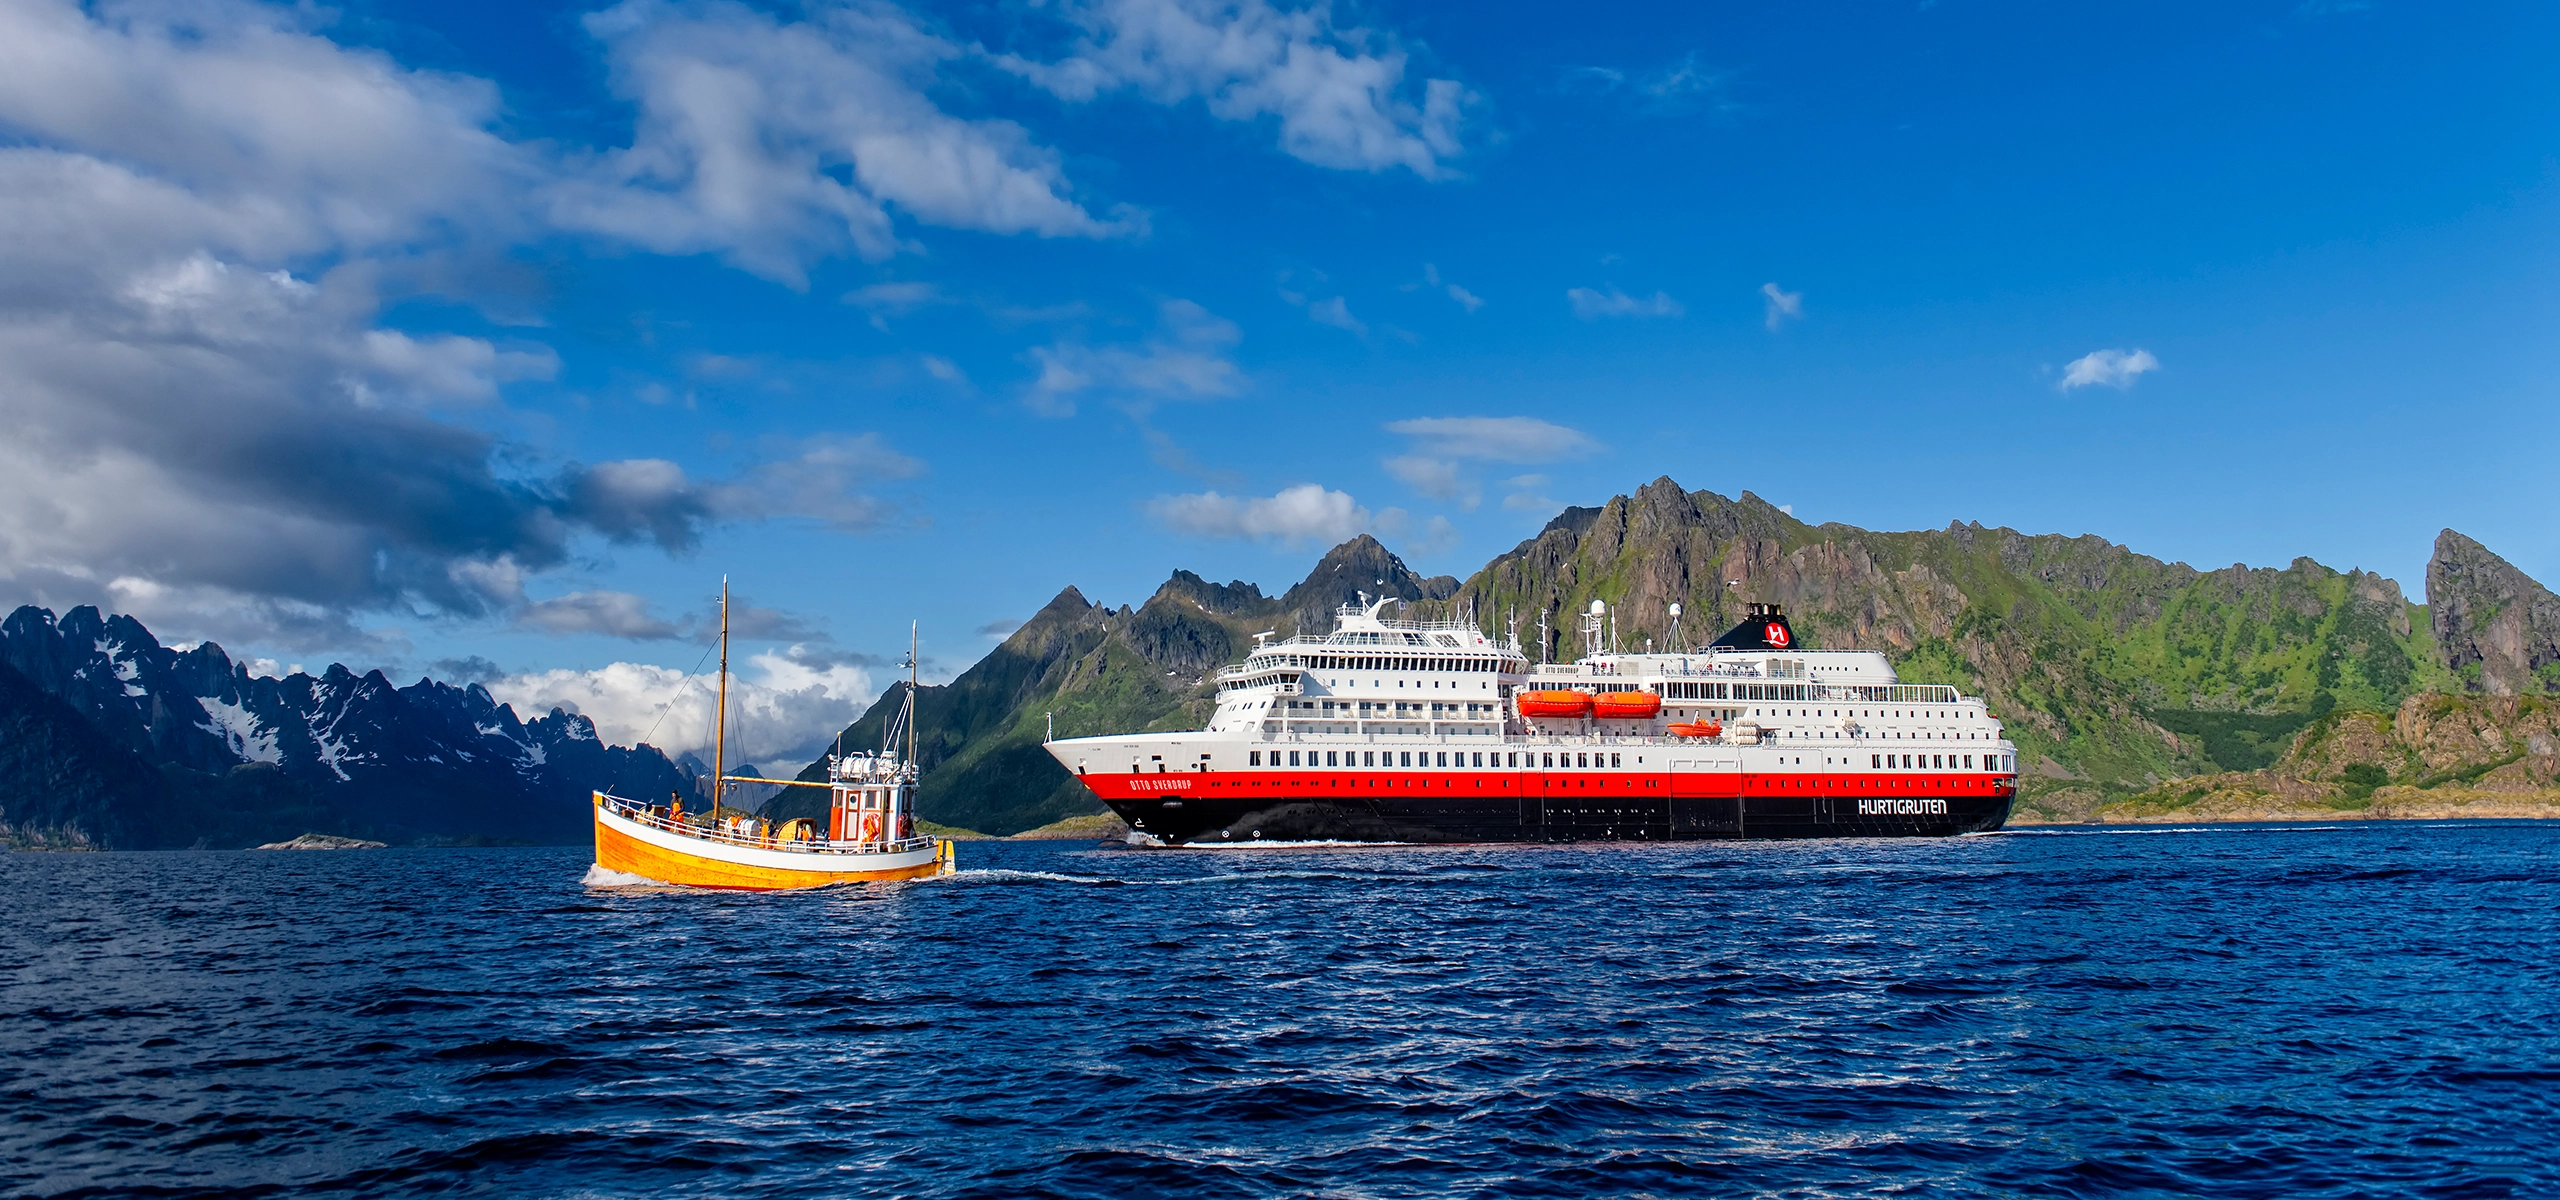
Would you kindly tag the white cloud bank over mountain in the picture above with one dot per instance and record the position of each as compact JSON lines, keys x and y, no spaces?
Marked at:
{"x":206,"y":208}
{"x":782,"y":710}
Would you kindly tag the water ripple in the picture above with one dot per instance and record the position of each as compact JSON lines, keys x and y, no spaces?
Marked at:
{"x":2329,"y":1012}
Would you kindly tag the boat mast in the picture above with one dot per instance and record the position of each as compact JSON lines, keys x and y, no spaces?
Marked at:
{"x":720,"y":720}
{"x":910,"y":692}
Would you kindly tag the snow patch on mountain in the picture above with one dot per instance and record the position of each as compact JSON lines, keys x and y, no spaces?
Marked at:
{"x":239,"y":729}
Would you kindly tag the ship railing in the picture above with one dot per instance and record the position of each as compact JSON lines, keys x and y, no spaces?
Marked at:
{"x":642,"y":814}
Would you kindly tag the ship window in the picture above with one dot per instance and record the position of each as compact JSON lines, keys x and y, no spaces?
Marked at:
{"x":1874,"y":761}
{"x":1293,"y":758}
{"x":1479,"y":760}
{"x":1968,"y":762}
{"x":1551,"y":759}
{"x":1329,"y":759}
{"x":1613,"y":761}
{"x":1582,"y":760}
{"x":1253,"y":758}
{"x":1408,"y":758}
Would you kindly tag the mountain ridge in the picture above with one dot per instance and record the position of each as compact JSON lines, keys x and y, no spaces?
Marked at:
{"x":2114,"y":670}
{"x":335,"y":753}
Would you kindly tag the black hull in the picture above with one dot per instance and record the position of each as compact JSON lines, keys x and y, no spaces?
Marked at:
{"x":1465,"y":819}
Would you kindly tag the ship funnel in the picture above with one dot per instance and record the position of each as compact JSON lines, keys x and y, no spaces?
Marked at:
{"x":1763,"y":627}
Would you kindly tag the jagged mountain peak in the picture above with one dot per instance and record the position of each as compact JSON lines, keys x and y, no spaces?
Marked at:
{"x":431,"y":758}
{"x":1363,"y":564}
{"x":1235,"y":596}
{"x":2497,"y":628}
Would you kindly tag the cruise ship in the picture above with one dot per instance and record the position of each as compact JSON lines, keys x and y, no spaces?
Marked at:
{"x":1390,"y":730}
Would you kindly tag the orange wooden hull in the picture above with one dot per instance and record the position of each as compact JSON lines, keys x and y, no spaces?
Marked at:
{"x":619,"y":847}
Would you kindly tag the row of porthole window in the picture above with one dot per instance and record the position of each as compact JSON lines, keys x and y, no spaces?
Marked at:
{"x":1939,"y":762}
{"x":1405,"y":758}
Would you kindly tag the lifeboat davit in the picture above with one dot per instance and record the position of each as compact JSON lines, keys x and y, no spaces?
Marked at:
{"x":1626,"y":706}
{"x":1555,"y":704}
{"x":1695,"y":729}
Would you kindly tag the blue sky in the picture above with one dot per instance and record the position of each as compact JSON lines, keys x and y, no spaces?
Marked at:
{"x":492,"y":335}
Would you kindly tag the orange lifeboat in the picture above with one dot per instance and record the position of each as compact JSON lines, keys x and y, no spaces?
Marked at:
{"x":1695,"y":729}
{"x":1626,"y":706}
{"x":1555,"y":704}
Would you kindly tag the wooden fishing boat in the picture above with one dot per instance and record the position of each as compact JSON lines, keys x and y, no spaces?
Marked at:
{"x":869,"y":836}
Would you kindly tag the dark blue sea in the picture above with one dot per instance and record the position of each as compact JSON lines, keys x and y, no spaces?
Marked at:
{"x":2366,"y":1010}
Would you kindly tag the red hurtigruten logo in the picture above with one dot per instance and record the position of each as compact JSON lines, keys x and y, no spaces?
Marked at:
{"x":1775,"y":634}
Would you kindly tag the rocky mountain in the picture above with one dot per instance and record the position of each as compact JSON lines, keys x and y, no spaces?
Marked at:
{"x":2115,"y":671}
{"x":2500,"y":631}
{"x":334,"y":753}
{"x":1097,"y":670}
{"x":2112,"y":669}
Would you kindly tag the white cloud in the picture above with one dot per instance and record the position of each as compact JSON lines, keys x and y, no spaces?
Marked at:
{"x":2112,"y":368}
{"x":1305,"y":513}
{"x":1338,"y":95}
{"x":1591,"y":306}
{"x":782,"y":709}
{"x":1497,"y":439}
{"x":1675,"y":89}
{"x":206,"y":433}
{"x":1431,"y":277}
{"x":773,"y":143}
{"x":1782,"y":306}
{"x":827,"y":478}
{"x":1433,"y":477}
{"x":886,"y":300}
{"x":1186,"y":359}
{"x":1442,"y":445}
{"x":1436,"y":536}
{"x":613,"y":614}
{"x":1336,"y":313}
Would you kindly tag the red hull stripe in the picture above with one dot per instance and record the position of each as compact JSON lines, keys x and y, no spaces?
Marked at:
{"x":1322,"y":782}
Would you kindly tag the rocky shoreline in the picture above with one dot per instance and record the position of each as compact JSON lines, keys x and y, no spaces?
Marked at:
{"x":323,"y":841}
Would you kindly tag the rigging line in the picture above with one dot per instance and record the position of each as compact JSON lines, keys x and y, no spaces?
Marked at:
{"x":670,"y":705}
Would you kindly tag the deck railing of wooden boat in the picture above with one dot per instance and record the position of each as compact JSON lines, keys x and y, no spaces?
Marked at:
{"x":642,"y":814}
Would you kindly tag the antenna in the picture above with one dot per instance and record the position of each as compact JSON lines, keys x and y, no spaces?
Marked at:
{"x":1542,"y":637}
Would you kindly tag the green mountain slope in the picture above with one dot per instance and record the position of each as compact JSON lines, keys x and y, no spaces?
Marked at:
{"x":1096,"y":670}
{"x":2114,"y":671}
